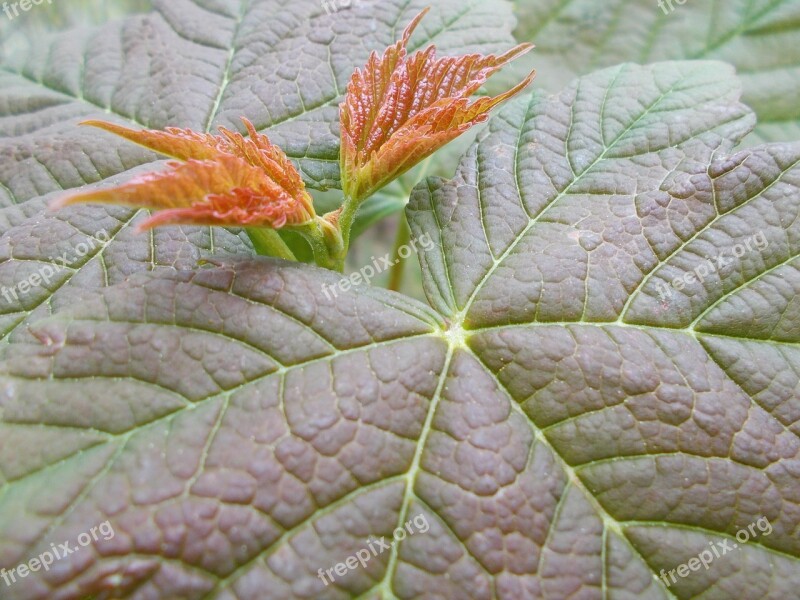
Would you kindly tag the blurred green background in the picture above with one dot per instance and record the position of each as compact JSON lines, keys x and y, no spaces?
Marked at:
{"x":63,"y":14}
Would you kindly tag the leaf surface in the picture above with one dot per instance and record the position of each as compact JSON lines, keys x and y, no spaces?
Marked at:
{"x":189,"y":64}
{"x":564,"y":431}
{"x":761,"y":38}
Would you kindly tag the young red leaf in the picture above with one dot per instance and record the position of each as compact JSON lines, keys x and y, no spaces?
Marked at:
{"x":400,"y":109}
{"x":218,"y":180}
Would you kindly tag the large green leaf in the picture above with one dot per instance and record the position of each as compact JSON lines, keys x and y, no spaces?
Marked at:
{"x":761,"y":38}
{"x":564,"y":432}
{"x":194,"y":64}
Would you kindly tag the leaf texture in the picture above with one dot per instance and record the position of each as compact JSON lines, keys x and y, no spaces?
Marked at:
{"x":189,"y":64}
{"x":761,"y":38}
{"x":565,"y":431}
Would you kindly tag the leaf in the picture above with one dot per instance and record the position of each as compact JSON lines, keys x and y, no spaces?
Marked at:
{"x":400,"y":108}
{"x":670,"y":415}
{"x":761,"y":38}
{"x":189,"y":64}
{"x":218,"y":180}
{"x":563,"y":431}
{"x":236,"y":361}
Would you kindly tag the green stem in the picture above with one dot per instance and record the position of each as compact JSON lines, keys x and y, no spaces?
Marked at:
{"x":268,"y":242}
{"x":346,"y":218}
{"x":346,"y":221}
{"x":350,"y":208}
{"x":398,"y":267}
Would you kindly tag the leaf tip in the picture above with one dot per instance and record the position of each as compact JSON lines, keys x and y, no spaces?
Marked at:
{"x":65,"y":201}
{"x":409,"y":30}
{"x":104,"y":125}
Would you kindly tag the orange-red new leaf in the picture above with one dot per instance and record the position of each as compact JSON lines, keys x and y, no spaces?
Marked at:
{"x":218,"y":180}
{"x":400,"y":109}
